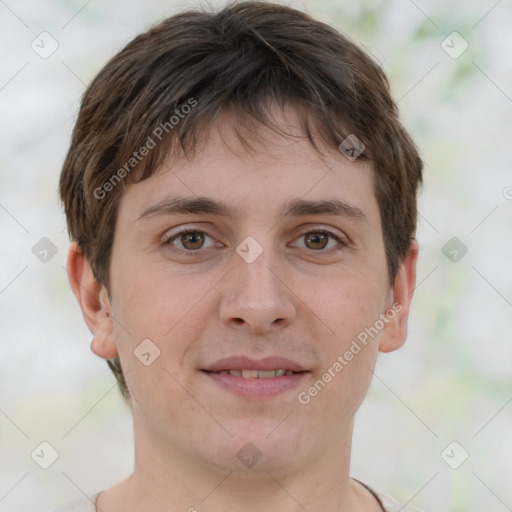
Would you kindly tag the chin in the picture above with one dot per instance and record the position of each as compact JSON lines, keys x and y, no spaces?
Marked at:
{"x":258,"y":445}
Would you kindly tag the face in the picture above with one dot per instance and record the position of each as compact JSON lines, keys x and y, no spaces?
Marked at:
{"x":289,"y":274}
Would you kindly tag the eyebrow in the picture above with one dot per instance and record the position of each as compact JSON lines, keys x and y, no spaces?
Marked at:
{"x":294,"y":207}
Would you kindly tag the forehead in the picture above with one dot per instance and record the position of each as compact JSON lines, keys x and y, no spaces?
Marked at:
{"x":278,"y":173}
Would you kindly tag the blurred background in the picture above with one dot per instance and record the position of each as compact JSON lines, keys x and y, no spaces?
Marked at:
{"x":435,"y":429}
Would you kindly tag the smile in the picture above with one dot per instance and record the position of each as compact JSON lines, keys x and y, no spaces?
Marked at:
{"x":257,"y":374}
{"x":257,"y":384}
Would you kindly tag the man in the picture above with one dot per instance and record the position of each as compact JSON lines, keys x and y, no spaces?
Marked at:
{"x":241,"y":196}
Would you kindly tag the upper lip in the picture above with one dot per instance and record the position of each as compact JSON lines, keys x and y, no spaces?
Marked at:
{"x":246,"y":363}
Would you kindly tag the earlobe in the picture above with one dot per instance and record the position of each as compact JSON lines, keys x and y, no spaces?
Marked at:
{"x":395,"y":333}
{"x":94,"y":303}
{"x":103,"y":347}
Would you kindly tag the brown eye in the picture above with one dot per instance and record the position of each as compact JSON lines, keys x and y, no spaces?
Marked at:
{"x":317,"y":240}
{"x":192,"y":241}
{"x":189,"y":240}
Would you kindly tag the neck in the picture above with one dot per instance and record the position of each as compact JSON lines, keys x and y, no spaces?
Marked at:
{"x":166,"y":478}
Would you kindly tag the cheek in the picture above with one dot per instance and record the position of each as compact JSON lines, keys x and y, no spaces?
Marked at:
{"x":349,"y":309}
{"x":166,"y":308}
{"x":349,"y":355}
{"x":157,"y":301}
{"x":346,"y":306}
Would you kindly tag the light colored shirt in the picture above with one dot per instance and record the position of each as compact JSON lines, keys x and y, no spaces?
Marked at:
{"x":388,"y":503}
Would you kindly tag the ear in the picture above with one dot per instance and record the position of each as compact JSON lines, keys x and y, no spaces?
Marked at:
{"x":94,"y":303}
{"x":395,"y":332}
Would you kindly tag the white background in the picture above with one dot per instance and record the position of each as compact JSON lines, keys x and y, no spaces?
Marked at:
{"x":452,"y":379}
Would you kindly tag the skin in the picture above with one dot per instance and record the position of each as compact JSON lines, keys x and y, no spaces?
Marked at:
{"x":296,"y":299}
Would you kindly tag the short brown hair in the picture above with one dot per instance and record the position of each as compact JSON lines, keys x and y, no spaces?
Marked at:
{"x":242,"y":58}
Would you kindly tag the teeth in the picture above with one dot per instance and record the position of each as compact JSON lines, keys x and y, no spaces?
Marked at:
{"x":264,"y":374}
{"x":250,"y":374}
{"x":258,"y":374}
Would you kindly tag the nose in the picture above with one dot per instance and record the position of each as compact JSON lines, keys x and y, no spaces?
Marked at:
{"x":256,"y":297}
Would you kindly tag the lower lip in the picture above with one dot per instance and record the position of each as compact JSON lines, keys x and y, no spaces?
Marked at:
{"x":257,"y":388}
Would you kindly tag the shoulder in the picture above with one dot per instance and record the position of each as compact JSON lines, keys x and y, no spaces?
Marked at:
{"x":388,"y":503}
{"x":391,"y":505}
{"x":83,"y":505}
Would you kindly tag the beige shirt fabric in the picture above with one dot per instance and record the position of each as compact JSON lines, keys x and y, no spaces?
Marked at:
{"x":388,"y":504}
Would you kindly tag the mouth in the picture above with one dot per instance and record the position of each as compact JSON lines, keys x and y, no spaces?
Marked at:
{"x":256,"y":374}
{"x":253,"y":379}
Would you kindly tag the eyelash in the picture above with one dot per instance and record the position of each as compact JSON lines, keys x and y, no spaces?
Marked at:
{"x":189,"y":252}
